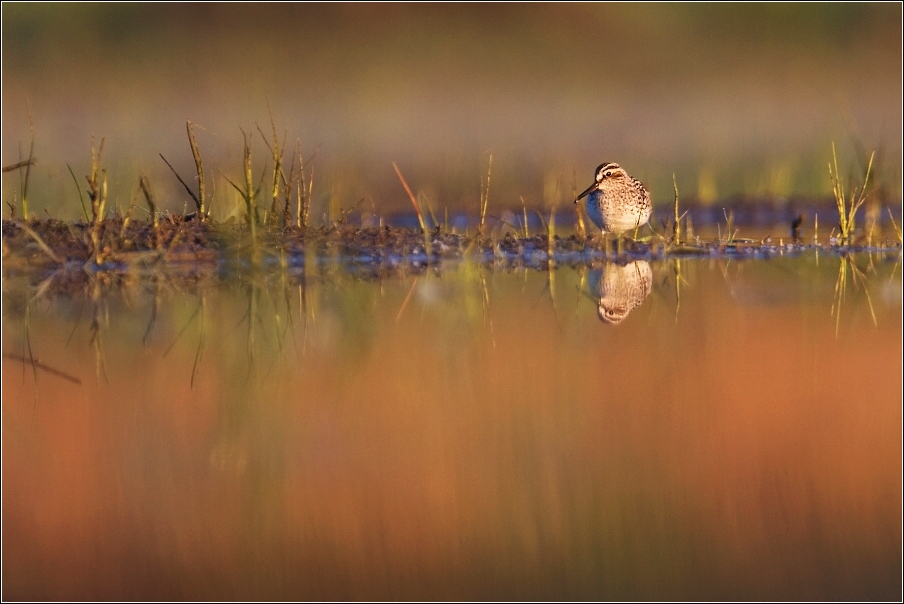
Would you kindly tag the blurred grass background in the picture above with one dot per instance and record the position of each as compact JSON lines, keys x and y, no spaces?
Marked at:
{"x":739,"y":100}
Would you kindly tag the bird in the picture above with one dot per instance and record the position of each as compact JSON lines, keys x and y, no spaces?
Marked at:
{"x":616,"y":202}
{"x":620,"y":288}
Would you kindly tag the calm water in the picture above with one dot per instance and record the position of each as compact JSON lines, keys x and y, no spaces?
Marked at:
{"x":694,"y":429}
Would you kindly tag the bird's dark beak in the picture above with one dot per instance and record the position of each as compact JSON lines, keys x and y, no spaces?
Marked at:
{"x":587,"y":192}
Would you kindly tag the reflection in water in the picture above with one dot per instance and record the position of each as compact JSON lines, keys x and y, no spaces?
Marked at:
{"x":454,"y":434}
{"x":859,"y":279}
{"x":620,"y":289}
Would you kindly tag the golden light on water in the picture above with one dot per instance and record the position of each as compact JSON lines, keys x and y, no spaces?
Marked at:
{"x":473,"y":443}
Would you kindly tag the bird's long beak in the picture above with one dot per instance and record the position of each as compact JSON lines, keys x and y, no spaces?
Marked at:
{"x":587,"y":192}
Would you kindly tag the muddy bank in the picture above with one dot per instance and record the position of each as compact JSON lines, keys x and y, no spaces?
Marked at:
{"x":187,"y":246}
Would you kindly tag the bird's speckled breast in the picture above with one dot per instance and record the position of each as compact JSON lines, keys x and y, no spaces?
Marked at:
{"x":616,"y":216}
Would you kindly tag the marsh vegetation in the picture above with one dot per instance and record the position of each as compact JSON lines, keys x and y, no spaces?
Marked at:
{"x":342,"y":334}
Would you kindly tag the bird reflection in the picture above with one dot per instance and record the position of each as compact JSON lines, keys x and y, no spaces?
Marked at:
{"x":619,"y":289}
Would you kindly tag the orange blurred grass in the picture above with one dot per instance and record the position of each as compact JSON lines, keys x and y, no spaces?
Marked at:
{"x":513,"y":463}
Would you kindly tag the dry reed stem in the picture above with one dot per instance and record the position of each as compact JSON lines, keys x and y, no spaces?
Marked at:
{"x":485,"y":197}
{"x":278,"y":175}
{"x":551,"y":233}
{"x":28,"y":163}
{"x":97,"y":190}
{"x":894,"y":224}
{"x":288,"y":182}
{"x":305,"y":189}
{"x":152,"y":207}
{"x":200,"y":200}
{"x":97,"y":193}
{"x":580,"y":225}
{"x":81,"y":197}
{"x":417,"y":207}
{"x":125,"y":222}
{"x":676,"y":227}
{"x":249,"y":193}
{"x":302,"y":207}
{"x":730,"y":231}
{"x":429,"y":209}
{"x":310,"y":193}
{"x":300,"y":217}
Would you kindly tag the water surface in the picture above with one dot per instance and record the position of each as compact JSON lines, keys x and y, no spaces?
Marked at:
{"x":679,"y":429}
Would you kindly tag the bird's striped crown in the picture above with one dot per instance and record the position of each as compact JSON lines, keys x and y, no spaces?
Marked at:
{"x":609,"y":170}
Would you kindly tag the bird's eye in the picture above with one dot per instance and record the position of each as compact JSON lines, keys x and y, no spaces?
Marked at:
{"x":609,"y":173}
